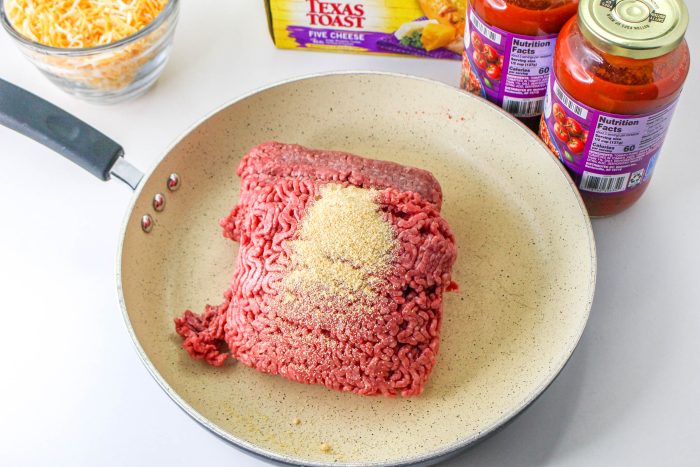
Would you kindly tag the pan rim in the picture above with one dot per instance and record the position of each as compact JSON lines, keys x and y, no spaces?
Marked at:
{"x":430,"y":457}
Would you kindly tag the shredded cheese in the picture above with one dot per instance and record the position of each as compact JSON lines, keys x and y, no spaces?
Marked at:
{"x":81,"y":23}
{"x":70,"y":24}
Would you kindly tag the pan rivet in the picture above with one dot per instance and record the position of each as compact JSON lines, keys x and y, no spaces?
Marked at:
{"x":158,"y":202}
{"x":173,"y":182}
{"x":147,"y":223}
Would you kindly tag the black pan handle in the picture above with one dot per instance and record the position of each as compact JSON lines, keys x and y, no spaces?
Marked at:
{"x":45,"y":123}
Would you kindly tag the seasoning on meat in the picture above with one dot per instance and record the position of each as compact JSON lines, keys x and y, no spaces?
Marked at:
{"x":344,"y":246}
{"x":325,"y":447}
{"x":340,"y":273}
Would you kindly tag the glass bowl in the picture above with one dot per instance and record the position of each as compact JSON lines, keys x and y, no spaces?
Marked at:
{"x":106,"y":73}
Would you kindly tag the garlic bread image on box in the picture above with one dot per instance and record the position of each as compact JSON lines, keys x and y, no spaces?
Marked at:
{"x":439,"y":32}
{"x":451,"y":15}
{"x":425,"y":28}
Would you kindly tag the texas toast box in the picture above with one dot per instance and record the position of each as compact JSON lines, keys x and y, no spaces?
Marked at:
{"x":425,"y":28}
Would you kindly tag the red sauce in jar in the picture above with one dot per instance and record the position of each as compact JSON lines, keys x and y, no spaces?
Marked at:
{"x":609,"y":82}
{"x":526,"y":17}
{"x":486,"y":66}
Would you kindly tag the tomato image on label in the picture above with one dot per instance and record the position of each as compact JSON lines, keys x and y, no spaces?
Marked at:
{"x":480,"y":60}
{"x":575,"y":145}
{"x":487,"y":59}
{"x":493,"y":71}
{"x":559,"y":114}
{"x":561,"y":132}
{"x":571,"y":135}
{"x":490,"y":53}
{"x":477,"y":42}
{"x":509,"y":69}
{"x":573,"y":127}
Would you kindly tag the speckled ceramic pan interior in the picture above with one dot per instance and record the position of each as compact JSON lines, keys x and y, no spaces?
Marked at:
{"x":525,"y":267}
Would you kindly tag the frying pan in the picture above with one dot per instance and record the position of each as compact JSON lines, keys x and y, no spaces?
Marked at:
{"x":526,"y":261}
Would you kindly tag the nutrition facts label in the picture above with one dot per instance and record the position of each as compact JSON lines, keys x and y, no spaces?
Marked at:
{"x":610,"y":153}
{"x":512,"y":70}
{"x":621,"y":143}
{"x":529,"y":65}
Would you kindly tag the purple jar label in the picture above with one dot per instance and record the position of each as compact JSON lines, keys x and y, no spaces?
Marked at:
{"x":508,"y":69}
{"x":606,"y":153}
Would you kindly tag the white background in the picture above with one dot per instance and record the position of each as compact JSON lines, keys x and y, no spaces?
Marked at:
{"x":73,"y":391}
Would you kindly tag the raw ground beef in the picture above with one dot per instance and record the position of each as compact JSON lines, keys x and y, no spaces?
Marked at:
{"x":389,"y":350}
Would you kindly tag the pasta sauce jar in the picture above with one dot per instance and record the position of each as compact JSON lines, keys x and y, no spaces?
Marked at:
{"x":509,"y":45}
{"x":618,"y":72}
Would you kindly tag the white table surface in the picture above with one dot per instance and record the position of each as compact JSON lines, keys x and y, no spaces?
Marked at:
{"x":73,"y":391}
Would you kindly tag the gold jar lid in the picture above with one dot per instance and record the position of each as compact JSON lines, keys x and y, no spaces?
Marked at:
{"x":633,"y":28}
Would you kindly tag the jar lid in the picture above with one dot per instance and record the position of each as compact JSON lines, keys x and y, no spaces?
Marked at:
{"x":634,"y":28}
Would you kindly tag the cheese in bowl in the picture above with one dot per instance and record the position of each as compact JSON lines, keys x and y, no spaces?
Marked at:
{"x":100,"y":50}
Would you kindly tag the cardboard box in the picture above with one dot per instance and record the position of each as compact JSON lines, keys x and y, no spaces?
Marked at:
{"x":425,"y":28}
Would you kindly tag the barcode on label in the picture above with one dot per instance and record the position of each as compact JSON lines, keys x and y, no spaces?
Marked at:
{"x":604,"y":183}
{"x":523,"y":107}
{"x":481,"y":27}
{"x":571,"y":105}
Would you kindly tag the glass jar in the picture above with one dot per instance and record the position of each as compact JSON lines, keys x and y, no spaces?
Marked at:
{"x":509,"y":45}
{"x":619,"y":68}
{"x":105,"y":73}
